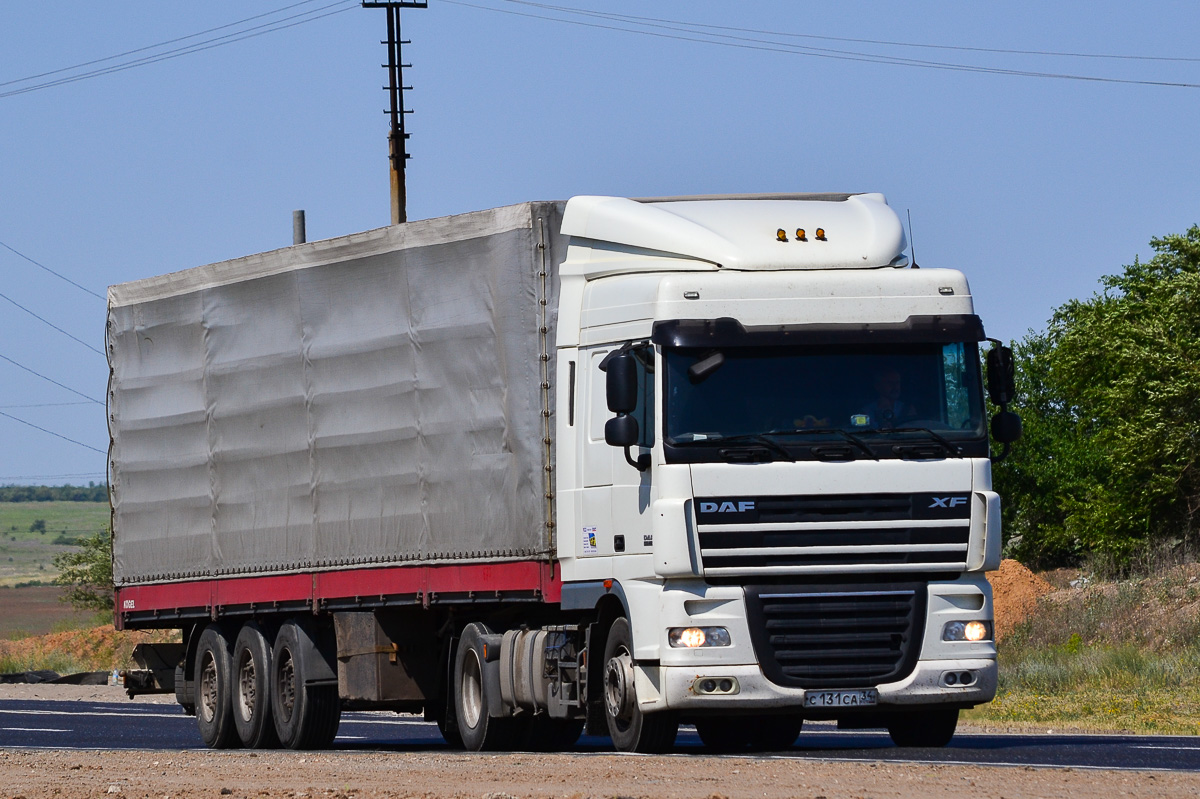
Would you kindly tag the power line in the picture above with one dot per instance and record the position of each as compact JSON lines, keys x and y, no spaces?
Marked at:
{"x":153,"y":46}
{"x":48,"y":404}
{"x":48,"y":379}
{"x":219,"y":41}
{"x":51,"y":271}
{"x":763,"y":45}
{"x":51,"y":324}
{"x":51,"y":432}
{"x":1056,"y":53}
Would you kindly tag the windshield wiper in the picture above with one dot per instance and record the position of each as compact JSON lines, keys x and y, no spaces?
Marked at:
{"x":741,"y":439}
{"x":845,"y":434}
{"x":947,"y":445}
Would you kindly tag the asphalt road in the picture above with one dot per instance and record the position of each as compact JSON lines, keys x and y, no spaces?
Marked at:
{"x":88,"y":725}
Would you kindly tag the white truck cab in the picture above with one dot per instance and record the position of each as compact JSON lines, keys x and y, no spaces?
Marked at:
{"x":793,"y":500}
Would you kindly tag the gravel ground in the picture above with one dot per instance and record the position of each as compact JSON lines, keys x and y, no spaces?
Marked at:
{"x":167,"y":775}
{"x":47,"y":774}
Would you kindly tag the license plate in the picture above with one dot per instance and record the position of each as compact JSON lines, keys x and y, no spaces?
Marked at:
{"x":862,"y":698}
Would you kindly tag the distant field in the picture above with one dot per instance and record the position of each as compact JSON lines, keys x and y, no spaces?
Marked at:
{"x":36,"y":610}
{"x":27,"y":555}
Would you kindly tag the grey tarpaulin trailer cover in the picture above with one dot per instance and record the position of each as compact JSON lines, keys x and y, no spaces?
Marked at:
{"x":379,"y":398}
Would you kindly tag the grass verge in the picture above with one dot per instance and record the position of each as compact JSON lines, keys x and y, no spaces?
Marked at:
{"x":1113,"y":656}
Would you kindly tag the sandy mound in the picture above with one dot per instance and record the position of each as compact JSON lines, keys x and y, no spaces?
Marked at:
{"x":1015,"y":592}
{"x":95,"y":649}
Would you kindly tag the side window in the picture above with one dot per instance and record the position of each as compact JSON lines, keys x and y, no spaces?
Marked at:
{"x":955,"y":363}
{"x":644,"y":413}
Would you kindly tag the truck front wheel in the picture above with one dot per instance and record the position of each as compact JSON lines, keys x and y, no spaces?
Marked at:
{"x":306,"y":716}
{"x":214,"y":689}
{"x":252,"y":691}
{"x":928,"y":728}
{"x":630,"y":729}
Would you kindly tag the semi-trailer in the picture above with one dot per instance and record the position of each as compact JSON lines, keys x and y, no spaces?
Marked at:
{"x":605,"y":463}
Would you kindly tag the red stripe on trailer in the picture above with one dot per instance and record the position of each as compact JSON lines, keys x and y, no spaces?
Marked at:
{"x":482,"y":579}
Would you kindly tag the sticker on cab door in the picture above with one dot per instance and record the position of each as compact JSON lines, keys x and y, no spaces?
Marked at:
{"x":589,"y":541}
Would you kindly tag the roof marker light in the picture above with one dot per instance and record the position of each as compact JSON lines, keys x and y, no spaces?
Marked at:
{"x":800,"y":234}
{"x":821,"y":234}
{"x":781,"y":235}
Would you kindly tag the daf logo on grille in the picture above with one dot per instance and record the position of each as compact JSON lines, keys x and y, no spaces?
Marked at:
{"x":948,"y":502}
{"x":725,"y":507}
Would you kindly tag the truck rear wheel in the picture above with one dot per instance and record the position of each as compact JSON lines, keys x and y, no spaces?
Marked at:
{"x":630,"y":729}
{"x":478,"y":731}
{"x":306,"y":716}
{"x":928,"y":728}
{"x":756,"y":733}
{"x":214,"y":688}
{"x":252,"y":688}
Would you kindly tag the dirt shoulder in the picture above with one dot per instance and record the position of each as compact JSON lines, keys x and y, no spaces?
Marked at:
{"x":170,"y":775}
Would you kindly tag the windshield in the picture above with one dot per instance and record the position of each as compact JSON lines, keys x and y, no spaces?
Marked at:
{"x":806,"y":394}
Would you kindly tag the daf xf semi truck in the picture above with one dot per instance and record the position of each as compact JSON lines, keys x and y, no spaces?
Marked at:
{"x":604,"y":464}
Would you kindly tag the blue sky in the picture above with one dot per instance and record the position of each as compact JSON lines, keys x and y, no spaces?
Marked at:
{"x":1034,"y":187}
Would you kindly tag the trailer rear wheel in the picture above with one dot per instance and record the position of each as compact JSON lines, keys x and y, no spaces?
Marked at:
{"x":252,"y":688}
{"x":631,"y":730}
{"x":928,"y":728}
{"x":214,"y":688}
{"x":756,"y":733}
{"x":478,"y":731}
{"x":306,"y":716}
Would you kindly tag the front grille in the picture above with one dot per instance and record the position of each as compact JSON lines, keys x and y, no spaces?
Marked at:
{"x":761,"y":537}
{"x":837,"y":636}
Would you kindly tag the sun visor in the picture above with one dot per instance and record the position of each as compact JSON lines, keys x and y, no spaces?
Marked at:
{"x":727,"y":332}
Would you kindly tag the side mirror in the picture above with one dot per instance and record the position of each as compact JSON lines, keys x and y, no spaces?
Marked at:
{"x":1006,"y":427}
{"x":621,"y":385}
{"x":1001,"y":376}
{"x":621,"y":431}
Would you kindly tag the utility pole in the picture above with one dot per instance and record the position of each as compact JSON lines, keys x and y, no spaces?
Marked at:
{"x":397,"y":137}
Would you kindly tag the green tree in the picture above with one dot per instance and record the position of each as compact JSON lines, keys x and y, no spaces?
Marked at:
{"x":87,"y":573}
{"x":1111,"y":405}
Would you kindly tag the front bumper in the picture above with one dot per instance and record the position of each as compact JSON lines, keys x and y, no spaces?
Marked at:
{"x":673,"y":688}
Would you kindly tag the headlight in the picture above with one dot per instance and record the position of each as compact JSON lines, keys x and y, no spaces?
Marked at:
{"x":691,"y":637}
{"x":967,"y":631}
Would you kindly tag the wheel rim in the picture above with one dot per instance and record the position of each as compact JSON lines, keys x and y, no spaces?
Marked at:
{"x":208,"y":687}
{"x":246,"y":694}
{"x":618,"y":688}
{"x":285,"y":699}
{"x":472,"y":690}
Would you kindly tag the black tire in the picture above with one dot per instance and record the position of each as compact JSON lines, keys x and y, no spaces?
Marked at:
{"x":306,"y":717}
{"x":630,"y":729}
{"x":252,"y":688}
{"x":478,"y":731}
{"x":449,"y":731}
{"x":925,"y":728}
{"x":214,"y":688}
{"x":754,"y":733}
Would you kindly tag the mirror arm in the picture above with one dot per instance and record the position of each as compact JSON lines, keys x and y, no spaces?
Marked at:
{"x":641,"y":464}
{"x":1003,"y":453}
